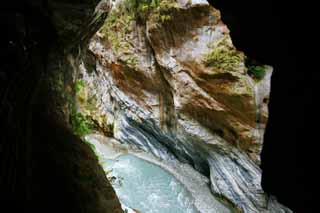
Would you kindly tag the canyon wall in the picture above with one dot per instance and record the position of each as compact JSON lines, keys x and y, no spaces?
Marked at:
{"x":165,"y":77}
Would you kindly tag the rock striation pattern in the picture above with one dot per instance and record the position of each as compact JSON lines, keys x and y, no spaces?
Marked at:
{"x":165,"y":77}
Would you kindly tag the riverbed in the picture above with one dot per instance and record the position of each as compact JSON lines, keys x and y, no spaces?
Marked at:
{"x":150,"y":185}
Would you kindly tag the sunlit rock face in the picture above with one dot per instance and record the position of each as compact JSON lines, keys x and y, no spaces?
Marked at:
{"x":166,"y":78}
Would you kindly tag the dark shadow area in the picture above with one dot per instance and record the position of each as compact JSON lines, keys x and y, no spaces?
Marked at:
{"x":44,"y":167}
{"x":271,"y":32}
{"x":275,"y":33}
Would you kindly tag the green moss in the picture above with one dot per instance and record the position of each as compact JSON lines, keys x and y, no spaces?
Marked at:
{"x":143,"y":8}
{"x":91,"y":103}
{"x":130,"y":5}
{"x":163,"y":11}
{"x":146,"y":8}
{"x":165,"y":18}
{"x":85,"y":116}
{"x":119,"y":22}
{"x":223,"y":56}
{"x":81,"y":124}
{"x":79,"y":85}
{"x":130,"y":60}
{"x":91,"y":145}
{"x":117,"y":26}
{"x":255,"y":69}
{"x":258,"y":72}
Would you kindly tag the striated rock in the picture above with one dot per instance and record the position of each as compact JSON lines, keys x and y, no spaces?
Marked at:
{"x":168,"y":79}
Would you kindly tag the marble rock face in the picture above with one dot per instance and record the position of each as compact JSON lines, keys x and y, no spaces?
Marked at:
{"x":168,"y":80}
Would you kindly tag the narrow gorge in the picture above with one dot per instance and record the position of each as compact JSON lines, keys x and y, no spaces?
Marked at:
{"x":152,"y":98}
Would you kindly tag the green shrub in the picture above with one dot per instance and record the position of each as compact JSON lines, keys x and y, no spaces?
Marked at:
{"x":223,"y":56}
{"x":165,"y":18}
{"x":81,"y":125}
{"x":117,"y":25}
{"x":255,"y":69}
{"x":143,"y":8}
{"x":79,"y":85}
{"x":130,"y":5}
{"x":258,"y":72}
{"x":163,"y":11}
{"x":155,"y":3}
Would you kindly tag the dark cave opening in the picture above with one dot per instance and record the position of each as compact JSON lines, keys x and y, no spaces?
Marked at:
{"x":43,"y":165}
{"x":267,"y":31}
{"x":262,"y":29}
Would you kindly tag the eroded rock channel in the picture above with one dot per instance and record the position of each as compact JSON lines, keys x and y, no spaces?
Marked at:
{"x":163,"y":77}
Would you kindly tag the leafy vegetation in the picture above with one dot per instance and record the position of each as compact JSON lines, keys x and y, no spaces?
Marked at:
{"x":223,"y":56}
{"x":255,"y":69}
{"x":258,"y":72}
{"x":116,"y":26}
{"x":91,"y":103}
{"x":165,"y":18}
{"x":162,"y":11}
{"x":79,"y":85}
{"x":91,"y":146}
{"x":85,"y":116}
{"x":144,"y":8}
{"x":122,"y":20}
{"x":81,"y":125}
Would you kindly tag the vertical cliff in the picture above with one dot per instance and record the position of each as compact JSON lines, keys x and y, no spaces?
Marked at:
{"x":164,"y":76}
{"x":160,"y":75}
